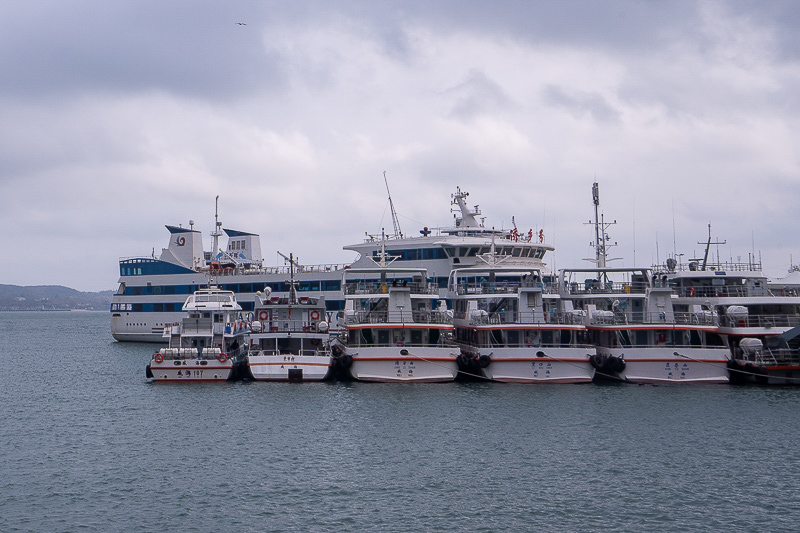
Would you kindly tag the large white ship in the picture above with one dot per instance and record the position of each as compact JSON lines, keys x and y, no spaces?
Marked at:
{"x":152,"y":289}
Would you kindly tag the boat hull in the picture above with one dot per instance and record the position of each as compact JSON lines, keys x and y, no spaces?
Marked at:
{"x":191,"y":370}
{"x":289,"y":367}
{"x":658,"y":365}
{"x":559,"y":365}
{"x":414,"y":365}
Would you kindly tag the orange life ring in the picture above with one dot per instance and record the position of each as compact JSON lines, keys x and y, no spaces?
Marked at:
{"x":314,"y":314}
{"x":158,"y":357}
{"x":222,"y":357}
{"x":263,"y":315}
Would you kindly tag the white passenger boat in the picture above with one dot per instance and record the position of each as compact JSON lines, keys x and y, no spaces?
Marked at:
{"x":152,"y":289}
{"x":394,"y":328}
{"x":509,"y":331}
{"x":630,"y":318}
{"x":289,"y":340}
{"x":639,"y":336}
{"x":759,"y":324}
{"x":208,"y":342}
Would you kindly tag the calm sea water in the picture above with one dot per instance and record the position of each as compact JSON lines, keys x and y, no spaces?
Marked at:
{"x":89,"y":445}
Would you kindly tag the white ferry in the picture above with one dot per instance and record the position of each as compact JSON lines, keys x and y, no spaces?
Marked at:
{"x":508,"y":331}
{"x":760,"y":325}
{"x":152,"y":289}
{"x":206,"y":345}
{"x":640,"y":338}
{"x":289,"y":339}
{"x":394,"y":328}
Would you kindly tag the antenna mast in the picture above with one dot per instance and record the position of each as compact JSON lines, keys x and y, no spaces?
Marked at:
{"x":708,"y":246}
{"x":215,"y":235}
{"x":601,"y":238}
{"x":397,"y":231}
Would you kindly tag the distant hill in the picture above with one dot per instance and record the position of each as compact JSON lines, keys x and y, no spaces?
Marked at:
{"x":51,"y":298}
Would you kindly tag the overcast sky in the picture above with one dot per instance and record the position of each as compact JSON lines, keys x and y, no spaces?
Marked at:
{"x":121,"y":117}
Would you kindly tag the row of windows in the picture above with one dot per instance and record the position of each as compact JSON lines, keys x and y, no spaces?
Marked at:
{"x":330,"y":305}
{"x":325,"y":285}
{"x":415,"y":254}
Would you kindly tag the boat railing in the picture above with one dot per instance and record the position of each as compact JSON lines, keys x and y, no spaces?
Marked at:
{"x":482,"y":318}
{"x":207,"y":354}
{"x":287,"y":326}
{"x":610,"y":318}
{"x":260,"y":270}
{"x":723,"y":291}
{"x":378,"y":287}
{"x":290,"y":354}
{"x":760,"y":321}
{"x":575,"y":288}
{"x":781,"y":356}
{"x":398,"y":317}
{"x":204,"y":326}
{"x":719,"y":266}
{"x":502,"y":287}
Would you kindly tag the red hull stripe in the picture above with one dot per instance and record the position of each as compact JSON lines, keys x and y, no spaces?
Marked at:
{"x":289,"y":363}
{"x":410,"y":325}
{"x":651,"y":327}
{"x":674,"y":360}
{"x":406,"y":358}
{"x":539,"y":359}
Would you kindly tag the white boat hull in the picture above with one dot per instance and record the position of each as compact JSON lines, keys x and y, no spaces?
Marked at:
{"x":289,"y":367}
{"x":191,"y":370}
{"x":661,"y":365}
{"x":420,"y":365}
{"x":559,"y":365}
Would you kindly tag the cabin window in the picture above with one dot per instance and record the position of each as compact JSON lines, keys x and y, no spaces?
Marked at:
{"x":366,"y":337}
{"x":513,"y":338}
{"x":416,"y":337}
{"x":383,"y":337}
{"x":496,"y":337}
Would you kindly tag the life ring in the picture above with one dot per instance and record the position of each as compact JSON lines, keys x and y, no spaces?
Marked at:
{"x":263,"y":315}
{"x":691,"y":291}
{"x":400,"y":343}
{"x":314,"y":314}
{"x":222,"y":357}
{"x":158,"y":357}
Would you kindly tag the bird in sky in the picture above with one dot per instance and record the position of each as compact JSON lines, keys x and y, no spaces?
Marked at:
{"x":241,"y":23}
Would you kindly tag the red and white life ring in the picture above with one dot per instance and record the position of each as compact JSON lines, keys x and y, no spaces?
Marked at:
{"x":314,"y":314}
{"x":263,"y":315}
{"x":158,"y":357}
{"x":222,"y":357}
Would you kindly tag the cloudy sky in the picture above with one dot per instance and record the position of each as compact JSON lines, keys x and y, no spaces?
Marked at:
{"x":121,"y":117}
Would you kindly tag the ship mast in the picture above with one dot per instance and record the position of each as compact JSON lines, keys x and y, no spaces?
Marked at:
{"x":398,"y":233}
{"x":217,"y":233}
{"x":292,"y":286}
{"x":601,"y":238}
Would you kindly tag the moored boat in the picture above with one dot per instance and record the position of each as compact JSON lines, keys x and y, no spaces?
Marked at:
{"x":759,"y":321}
{"x":289,"y":340}
{"x":508,"y":331}
{"x":206,"y":345}
{"x":394,"y":328}
{"x":639,"y":337}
